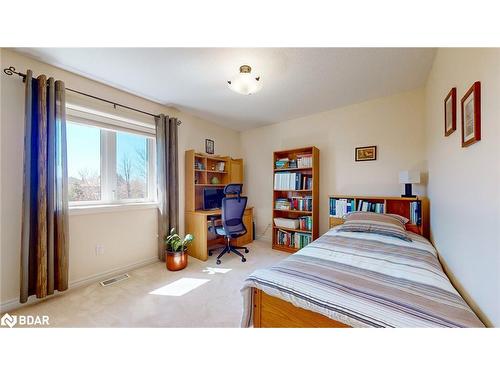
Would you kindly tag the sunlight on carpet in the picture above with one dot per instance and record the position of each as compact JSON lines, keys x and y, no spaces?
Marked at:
{"x":180,"y":287}
{"x":214,"y":270}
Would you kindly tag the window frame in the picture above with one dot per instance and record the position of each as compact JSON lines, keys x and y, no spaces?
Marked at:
{"x":108,"y":172}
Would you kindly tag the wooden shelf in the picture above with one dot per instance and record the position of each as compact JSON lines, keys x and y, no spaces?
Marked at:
{"x":288,"y":249}
{"x":292,"y":230}
{"x":207,"y":156}
{"x":308,"y":190}
{"x":196,"y":178}
{"x":294,"y":211}
{"x":313,"y":173}
{"x":292,"y":169}
{"x":380,"y":198}
{"x":392,"y":205}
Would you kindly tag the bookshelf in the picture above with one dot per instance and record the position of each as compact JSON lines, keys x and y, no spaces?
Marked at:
{"x":414,"y":209}
{"x":295,"y":197}
{"x":200,"y":170}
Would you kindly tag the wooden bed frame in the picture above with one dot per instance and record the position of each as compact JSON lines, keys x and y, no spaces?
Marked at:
{"x":272,"y":312}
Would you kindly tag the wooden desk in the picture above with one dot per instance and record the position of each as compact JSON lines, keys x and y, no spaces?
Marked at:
{"x":196,"y":223}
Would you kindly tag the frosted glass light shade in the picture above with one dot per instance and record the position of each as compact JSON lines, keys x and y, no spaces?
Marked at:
{"x":245,"y":83}
{"x":409,"y":177}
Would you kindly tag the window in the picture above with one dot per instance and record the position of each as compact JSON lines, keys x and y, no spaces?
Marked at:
{"x":131,"y":166}
{"x":84,"y":163}
{"x":107,"y":166}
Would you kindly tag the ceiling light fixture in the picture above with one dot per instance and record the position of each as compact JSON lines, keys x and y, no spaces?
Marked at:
{"x":245,"y":83}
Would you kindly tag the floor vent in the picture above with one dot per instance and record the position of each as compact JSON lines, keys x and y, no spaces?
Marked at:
{"x":115,"y":279}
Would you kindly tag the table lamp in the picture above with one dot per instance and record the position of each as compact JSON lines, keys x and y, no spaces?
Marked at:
{"x":408,"y":178}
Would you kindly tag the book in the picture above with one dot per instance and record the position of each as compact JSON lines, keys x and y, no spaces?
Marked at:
{"x":416,"y":213}
{"x":301,"y":203}
{"x":292,"y":181}
{"x":296,"y":240}
{"x":304,"y":161}
{"x":339,"y":207}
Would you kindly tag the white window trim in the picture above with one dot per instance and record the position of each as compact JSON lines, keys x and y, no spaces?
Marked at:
{"x":108,"y":201}
{"x":75,"y":210}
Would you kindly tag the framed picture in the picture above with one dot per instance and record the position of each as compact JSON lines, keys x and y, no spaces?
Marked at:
{"x":366,"y":153}
{"x":450,"y":112}
{"x":471,"y":115}
{"x":209,"y":146}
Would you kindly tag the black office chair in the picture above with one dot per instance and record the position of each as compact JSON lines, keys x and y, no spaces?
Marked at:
{"x":233,"y":208}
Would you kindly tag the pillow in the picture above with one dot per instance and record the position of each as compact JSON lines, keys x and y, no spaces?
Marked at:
{"x":371,"y":222}
{"x":403,"y":219}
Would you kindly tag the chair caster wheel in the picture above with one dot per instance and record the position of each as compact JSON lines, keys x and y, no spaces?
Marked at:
{"x":218,"y":261}
{"x":243,"y":260}
{"x":246,"y":251}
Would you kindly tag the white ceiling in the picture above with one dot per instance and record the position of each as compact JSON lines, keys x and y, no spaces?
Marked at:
{"x":296,"y":81}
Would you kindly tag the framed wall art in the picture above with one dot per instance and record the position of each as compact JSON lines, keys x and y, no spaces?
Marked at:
{"x":471,"y":115}
{"x":209,"y":146}
{"x":366,"y":153}
{"x":450,"y":112}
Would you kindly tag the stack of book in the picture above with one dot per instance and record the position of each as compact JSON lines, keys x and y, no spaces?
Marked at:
{"x":304,"y":161}
{"x":302,"y":203}
{"x":282,"y":204}
{"x":341,"y":207}
{"x":296,"y":240}
{"x":285,"y":163}
{"x":415,"y":213}
{"x":281,"y":163}
{"x":292,"y":181}
{"x":370,"y":206}
{"x":301,"y":240}
{"x":285,"y":238}
{"x":305,"y":223}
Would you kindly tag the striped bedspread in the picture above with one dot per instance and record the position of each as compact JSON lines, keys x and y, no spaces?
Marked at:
{"x":365,"y":280}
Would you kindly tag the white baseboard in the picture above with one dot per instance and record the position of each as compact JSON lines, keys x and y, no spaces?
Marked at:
{"x":14,"y":303}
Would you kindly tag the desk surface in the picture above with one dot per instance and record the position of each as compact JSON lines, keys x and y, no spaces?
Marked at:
{"x":210,"y":212}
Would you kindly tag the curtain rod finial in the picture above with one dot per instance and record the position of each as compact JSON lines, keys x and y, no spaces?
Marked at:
{"x":10,"y":70}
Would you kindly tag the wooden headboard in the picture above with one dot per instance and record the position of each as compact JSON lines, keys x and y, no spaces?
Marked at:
{"x":391,"y":205}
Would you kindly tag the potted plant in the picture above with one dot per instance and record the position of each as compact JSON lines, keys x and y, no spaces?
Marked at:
{"x":176,"y":257}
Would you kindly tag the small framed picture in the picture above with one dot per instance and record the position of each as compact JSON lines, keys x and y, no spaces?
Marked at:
{"x":366,"y":153}
{"x":209,"y":146}
{"x":450,"y":112}
{"x":471,"y":115}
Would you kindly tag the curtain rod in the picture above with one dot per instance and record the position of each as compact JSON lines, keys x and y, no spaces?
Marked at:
{"x":11,"y":70}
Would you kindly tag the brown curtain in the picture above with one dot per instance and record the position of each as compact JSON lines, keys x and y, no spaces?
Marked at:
{"x":167,"y":171}
{"x":44,"y":241}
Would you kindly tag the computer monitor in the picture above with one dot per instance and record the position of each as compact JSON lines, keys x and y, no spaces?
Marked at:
{"x":212,"y":198}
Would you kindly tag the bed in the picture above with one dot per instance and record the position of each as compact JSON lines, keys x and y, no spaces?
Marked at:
{"x":348,"y":279}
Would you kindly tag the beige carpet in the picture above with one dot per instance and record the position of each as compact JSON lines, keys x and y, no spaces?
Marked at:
{"x":214,"y":301}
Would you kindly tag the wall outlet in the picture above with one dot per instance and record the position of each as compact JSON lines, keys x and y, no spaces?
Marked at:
{"x":99,"y":249}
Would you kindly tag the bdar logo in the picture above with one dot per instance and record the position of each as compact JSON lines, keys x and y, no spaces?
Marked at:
{"x":8,"y":320}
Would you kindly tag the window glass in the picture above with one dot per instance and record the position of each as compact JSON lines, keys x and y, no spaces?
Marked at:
{"x":84,"y":162}
{"x":131,"y":166}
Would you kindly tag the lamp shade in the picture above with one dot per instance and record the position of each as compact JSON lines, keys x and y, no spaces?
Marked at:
{"x":409,"y":177}
{"x":245,"y":83}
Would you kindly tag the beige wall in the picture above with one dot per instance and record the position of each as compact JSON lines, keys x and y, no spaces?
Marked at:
{"x":395,"y":124}
{"x":464,"y":183}
{"x":128,"y":236}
